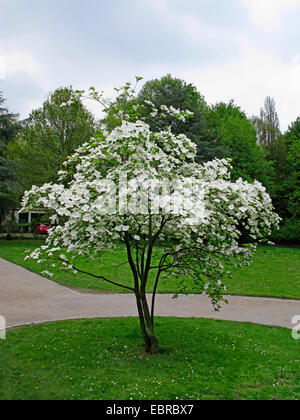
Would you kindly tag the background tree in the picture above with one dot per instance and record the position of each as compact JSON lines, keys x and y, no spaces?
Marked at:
{"x":236,"y":136}
{"x":50,"y":135}
{"x":268,"y":127}
{"x":218,"y":131}
{"x":287,"y":187}
{"x":281,"y":152}
{"x":292,"y":138}
{"x":9,"y":187}
{"x":177,"y":93}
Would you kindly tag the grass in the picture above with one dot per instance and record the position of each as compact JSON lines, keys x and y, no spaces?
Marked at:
{"x":275,"y":271}
{"x":104,"y":359}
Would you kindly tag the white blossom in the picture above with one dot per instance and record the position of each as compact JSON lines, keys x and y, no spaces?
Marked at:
{"x":203,"y":213}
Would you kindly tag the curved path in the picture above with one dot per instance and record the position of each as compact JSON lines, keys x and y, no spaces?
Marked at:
{"x":27,"y":298}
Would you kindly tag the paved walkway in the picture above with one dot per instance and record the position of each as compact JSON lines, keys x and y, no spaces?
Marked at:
{"x":26,"y":298}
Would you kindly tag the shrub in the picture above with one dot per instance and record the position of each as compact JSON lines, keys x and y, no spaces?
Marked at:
{"x":289,"y":233}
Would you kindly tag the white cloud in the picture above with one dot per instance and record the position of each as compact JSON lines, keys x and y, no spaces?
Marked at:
{"x":268,"y":13}
{"x":14,"y":62}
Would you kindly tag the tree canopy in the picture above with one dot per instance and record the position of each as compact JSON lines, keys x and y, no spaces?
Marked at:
{"x":9,"y":187}
{"x":170,"y":91}
{"x":143,"y":188}
{"x":257,"y":148}
{"x":236,"y":136}
{"x":50,"y":135}
{"x":292,"y":138}
{"x":267,"y":124}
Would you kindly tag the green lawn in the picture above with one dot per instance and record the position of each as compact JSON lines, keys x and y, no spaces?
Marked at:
{"x":275,"y":271}
{"x":104,"y":359}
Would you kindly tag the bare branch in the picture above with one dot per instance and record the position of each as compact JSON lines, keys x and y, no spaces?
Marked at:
{"x":103,"y":278}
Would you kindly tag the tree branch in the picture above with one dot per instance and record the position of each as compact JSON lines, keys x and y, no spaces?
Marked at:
{"x":103,"y":278}
{"x":131,"y":263}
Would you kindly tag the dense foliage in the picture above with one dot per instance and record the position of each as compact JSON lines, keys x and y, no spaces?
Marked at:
{"x":50,"y":135}
{"x":9,"y":187}
{"x":257,"y":148}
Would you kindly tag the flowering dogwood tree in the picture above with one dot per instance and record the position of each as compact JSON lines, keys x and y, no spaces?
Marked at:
{"x":145,"y":190}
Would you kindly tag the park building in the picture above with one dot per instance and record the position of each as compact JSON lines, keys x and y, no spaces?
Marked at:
{"x":23,"y":224}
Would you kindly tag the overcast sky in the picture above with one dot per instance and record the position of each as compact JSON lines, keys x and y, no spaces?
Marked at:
{"x":229,"y":49}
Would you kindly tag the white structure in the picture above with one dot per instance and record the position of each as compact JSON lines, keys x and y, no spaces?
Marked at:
{"x":28,"y":217}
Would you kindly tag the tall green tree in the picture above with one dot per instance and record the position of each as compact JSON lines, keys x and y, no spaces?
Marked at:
{"x":236,"y":135}
{"x":175,"y":92}
{"x":268,"y":128}
{"x":275,"y":149}
{"x":292,"y":184}
{"x":50,"y":135}
{"x":9,"y":187}
{"x":292,"y":135}
{"x":9,"y":124}
{"x":287,"y":183}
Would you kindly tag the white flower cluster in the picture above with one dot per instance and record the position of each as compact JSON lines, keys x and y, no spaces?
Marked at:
{"x":165,"y":111}
{"x":108,"y":198}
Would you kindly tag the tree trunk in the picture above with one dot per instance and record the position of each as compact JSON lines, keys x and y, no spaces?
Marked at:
{"x":143,"y":325}
{"x":146,"y":322}
{"x":155,"y":349}
{"x":154,"y":346}
{"x":147,"y":327}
